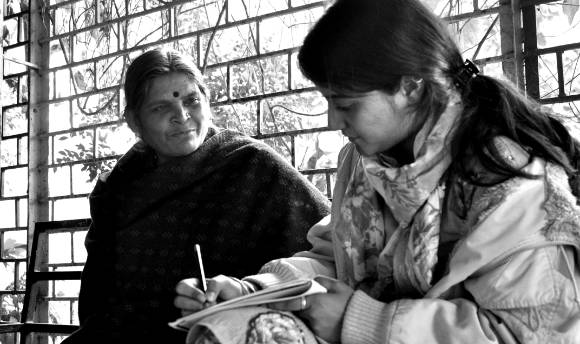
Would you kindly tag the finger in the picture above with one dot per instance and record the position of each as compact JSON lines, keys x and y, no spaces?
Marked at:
{"x":213,"y":289}
{"x":186,"y":303}
{"x":222,"y":287}
{"x":184,"y":312}
{"x":188,"y":288}
{"x":298,"y":304}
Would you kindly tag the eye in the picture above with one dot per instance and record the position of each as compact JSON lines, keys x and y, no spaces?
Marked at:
{"x":191,"y":101}
{"x":158,"y":108}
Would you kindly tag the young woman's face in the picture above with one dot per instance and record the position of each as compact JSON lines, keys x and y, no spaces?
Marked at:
{"x":374,"y":121}
{"x":175,"y":117}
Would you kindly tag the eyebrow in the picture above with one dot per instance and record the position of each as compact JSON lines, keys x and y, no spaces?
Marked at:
{"x":165,"y":101}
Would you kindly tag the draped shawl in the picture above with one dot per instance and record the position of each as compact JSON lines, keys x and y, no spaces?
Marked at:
{"x":236,"y":197}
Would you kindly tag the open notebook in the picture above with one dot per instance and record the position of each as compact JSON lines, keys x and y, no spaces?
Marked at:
{"x":280,"y":292}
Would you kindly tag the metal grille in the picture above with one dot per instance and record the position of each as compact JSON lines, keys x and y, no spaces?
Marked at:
{"x":13,"y":159}
{"x":247,"y":49}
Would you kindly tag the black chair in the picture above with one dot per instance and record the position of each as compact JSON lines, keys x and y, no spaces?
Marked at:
{"x":42,"y":276}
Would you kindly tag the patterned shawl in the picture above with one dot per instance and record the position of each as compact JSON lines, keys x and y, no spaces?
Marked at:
{"x":390,"y":216}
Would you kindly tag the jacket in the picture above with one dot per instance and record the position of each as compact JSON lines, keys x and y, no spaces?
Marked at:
{"x":508,"y":264}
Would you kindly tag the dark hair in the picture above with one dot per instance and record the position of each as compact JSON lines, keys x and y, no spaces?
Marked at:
{"x":365,"y":45}
{"x":152,"y":64}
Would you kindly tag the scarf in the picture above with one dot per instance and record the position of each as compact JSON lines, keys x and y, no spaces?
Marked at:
{"x":388,"y":227}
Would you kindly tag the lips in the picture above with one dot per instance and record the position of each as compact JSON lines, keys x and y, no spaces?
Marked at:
{"x":181,"y":132}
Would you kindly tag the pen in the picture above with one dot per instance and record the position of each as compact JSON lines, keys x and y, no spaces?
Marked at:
{"x":202,"y":272}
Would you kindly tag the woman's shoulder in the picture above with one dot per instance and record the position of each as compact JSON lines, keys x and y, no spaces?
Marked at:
{"x":241,"y":141}
{"x":547,"y":194}
{"x":507,"y":151}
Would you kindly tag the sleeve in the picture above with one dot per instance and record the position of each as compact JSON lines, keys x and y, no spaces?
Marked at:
{"x":515,"y":286}
{"x":547,"y":313}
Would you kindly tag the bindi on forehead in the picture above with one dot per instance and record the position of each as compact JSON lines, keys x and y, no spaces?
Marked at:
{"x":176,"y":94}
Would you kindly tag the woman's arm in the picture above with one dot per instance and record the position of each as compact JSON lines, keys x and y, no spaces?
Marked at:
{"x":535,"y":306}
{"x":511,"y":279}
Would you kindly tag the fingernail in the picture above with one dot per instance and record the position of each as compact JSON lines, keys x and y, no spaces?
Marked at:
{"x":210,"y":296}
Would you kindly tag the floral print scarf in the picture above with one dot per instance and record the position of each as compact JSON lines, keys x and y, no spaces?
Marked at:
{"x":388,"y":228}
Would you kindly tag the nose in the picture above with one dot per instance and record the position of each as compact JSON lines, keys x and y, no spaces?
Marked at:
{"x":335,"y":119}
{"x":180,"y":114}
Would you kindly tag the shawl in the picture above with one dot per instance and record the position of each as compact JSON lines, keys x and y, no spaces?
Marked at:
{"x":237,"y":198}
{"x":390,"y":217}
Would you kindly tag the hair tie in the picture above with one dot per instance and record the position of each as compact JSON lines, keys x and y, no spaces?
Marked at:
{"x":466,"y":72}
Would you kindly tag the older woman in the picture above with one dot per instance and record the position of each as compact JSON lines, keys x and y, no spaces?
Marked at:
{"x":185,"y":183}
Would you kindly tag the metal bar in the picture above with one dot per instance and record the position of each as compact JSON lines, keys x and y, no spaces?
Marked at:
{"x":551,"y":50}
{"x":318,"y":171}
{"x":1,"y":79}
{"x":510,"y":27}
{"x":169,"y":40}
{"x":562,"y":99}
{"x":530,"y":46}
{"x":10,"y":327}
{"x":16,"y":45}
{"x":71,"y":163}
{"x":293,"y":150}
{"x":292,"y":132}
{"x":560,"y":67}
{"x":76,"y":196}
{"x":47,"y":328}
{"x":471,"y":15}
{"x":193,"y":33}
{"x":26,"y":63}
{"x":55,"y":275}
{"x":526,"y":3}
{"x":262,"y":96}
{"x":38,"y":119}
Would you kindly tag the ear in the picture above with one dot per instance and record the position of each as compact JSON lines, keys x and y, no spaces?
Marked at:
{"x":133,"y":122}
{"x":412,"y":87}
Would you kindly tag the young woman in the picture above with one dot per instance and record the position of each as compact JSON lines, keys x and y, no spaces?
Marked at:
{"x":185,"y":182}
{"x":453,"y":219}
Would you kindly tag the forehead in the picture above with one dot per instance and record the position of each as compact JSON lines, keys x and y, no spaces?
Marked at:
{"x":171,"y":86}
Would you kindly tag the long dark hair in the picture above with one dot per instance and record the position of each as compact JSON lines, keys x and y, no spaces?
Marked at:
{"x":364,"y":45}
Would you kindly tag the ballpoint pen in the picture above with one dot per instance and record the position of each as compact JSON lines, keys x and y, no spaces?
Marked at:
{"x":201,"y":270}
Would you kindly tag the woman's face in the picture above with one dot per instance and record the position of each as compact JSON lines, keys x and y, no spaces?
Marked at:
{"x":374,"y":121}
{"x":175,"y":116}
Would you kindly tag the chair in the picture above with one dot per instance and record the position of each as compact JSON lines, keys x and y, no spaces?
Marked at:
{"x":45,"y":281}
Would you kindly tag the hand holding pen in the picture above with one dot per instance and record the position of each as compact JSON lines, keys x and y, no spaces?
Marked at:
{"x":195,"y":294}
{"x":211,"y":297}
